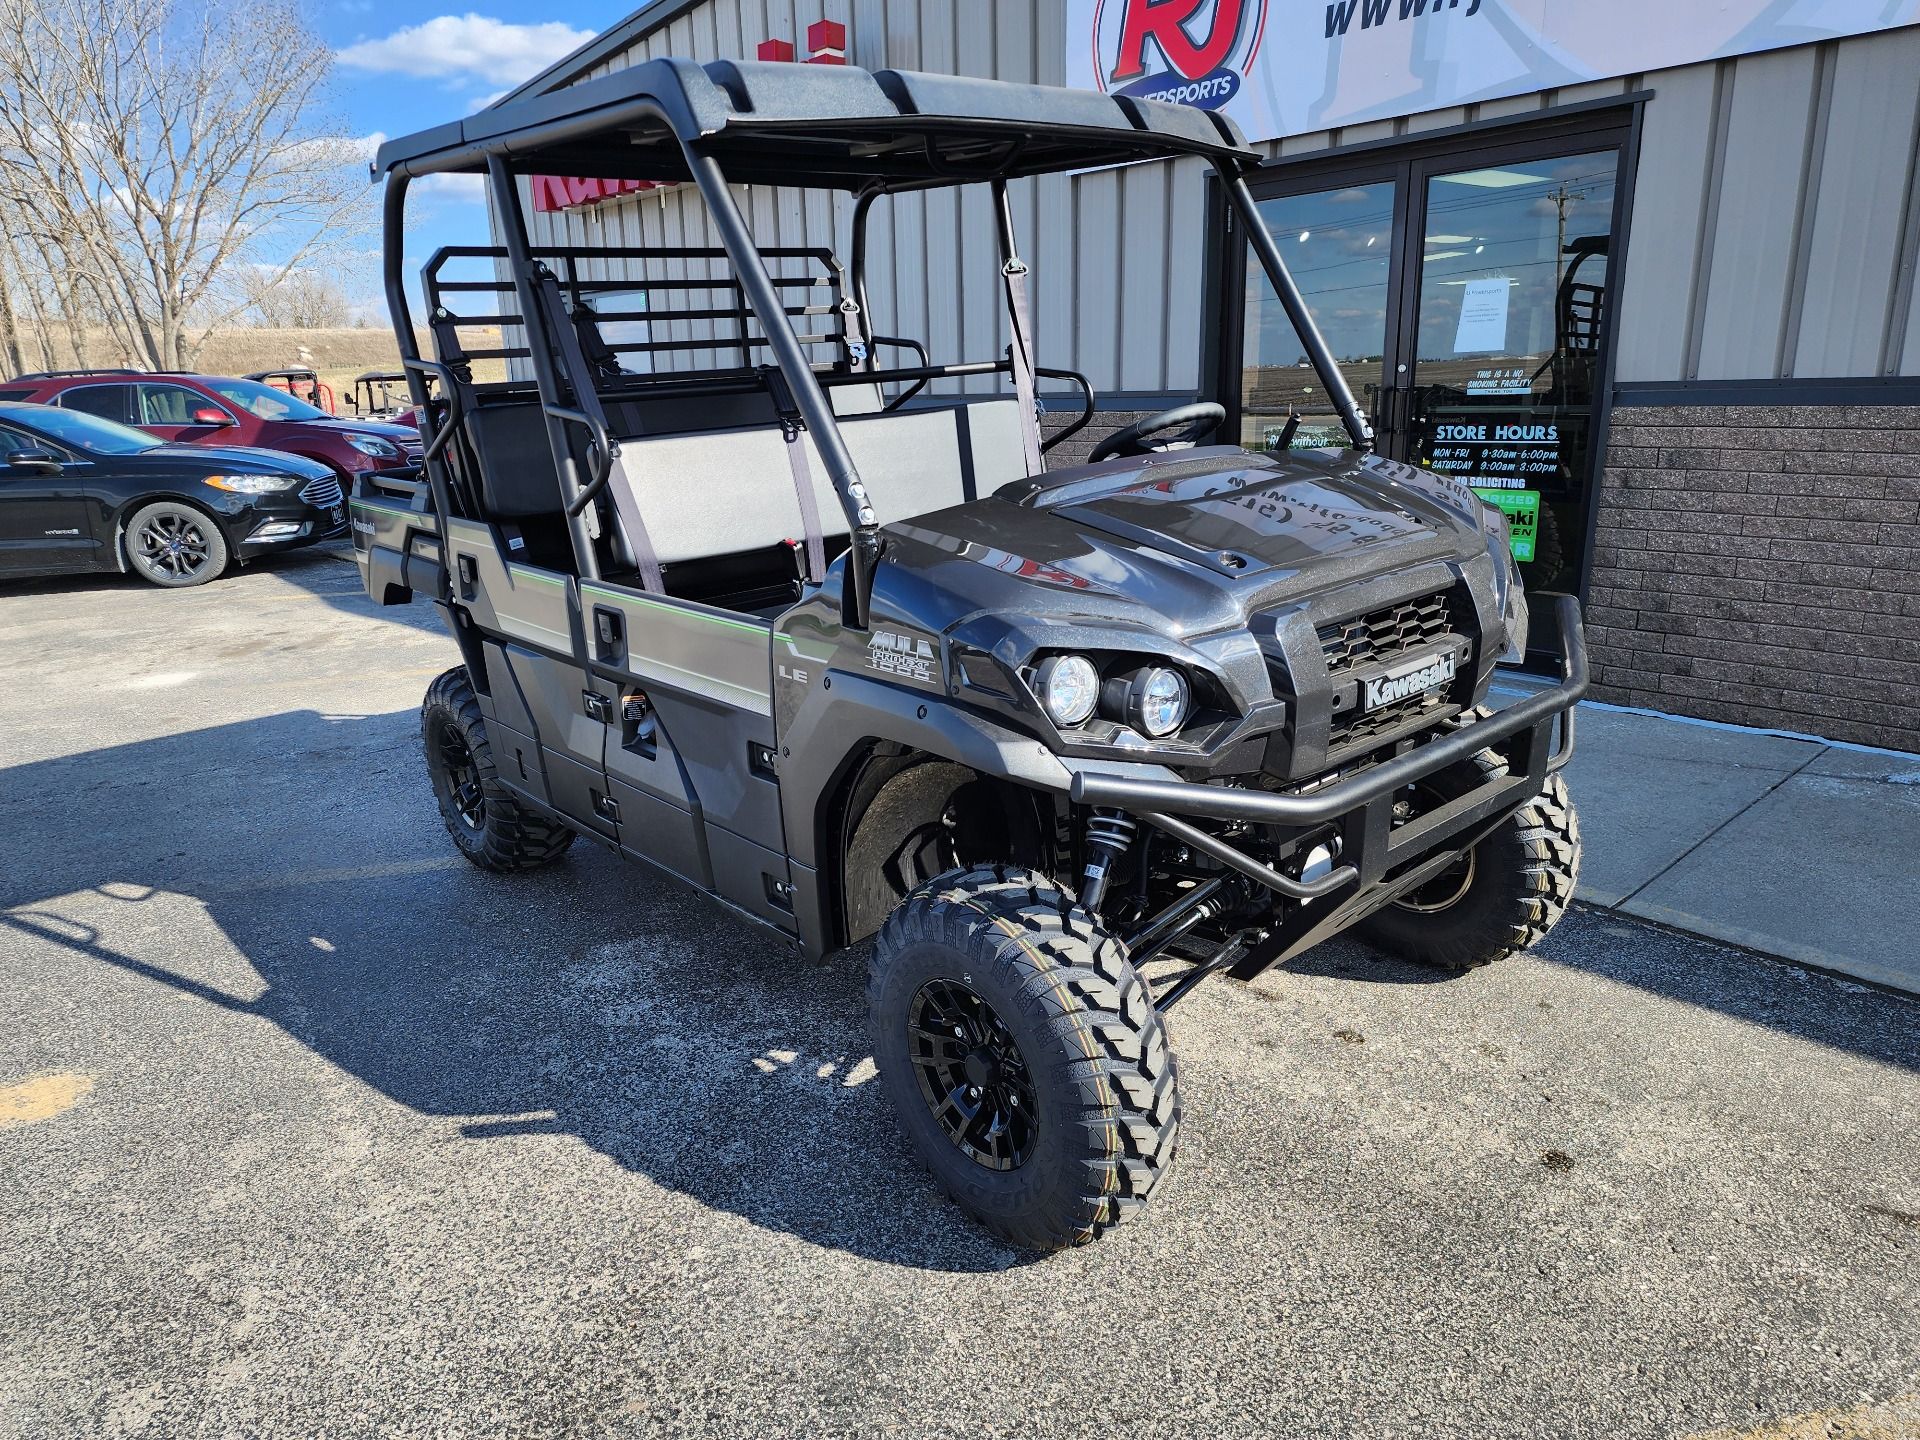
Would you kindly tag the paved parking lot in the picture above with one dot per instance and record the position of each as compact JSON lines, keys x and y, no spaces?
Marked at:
{"x":307,"y":1128}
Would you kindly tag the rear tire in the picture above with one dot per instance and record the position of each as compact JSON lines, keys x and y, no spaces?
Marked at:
{"x":1504,"y":898}
{"x":1075,"y":1117}
{"x":491,"y":828}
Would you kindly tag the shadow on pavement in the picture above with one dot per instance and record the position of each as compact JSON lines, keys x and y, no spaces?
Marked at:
{"x":310,"y":884}
{"x":306,"y":881}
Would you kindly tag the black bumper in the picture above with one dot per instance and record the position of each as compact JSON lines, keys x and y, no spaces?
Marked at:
{"x":1374,"y":852}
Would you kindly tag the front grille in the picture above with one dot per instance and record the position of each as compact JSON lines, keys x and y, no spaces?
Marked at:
{"x":1385,"y":633}
{"x":1370,"y":725}
{"x":324,"y":493}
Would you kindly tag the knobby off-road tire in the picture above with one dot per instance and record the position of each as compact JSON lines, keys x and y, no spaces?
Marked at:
{"x":1092,"y":1054}
{"x":1505,"y":899}
{"x":486,"y":822}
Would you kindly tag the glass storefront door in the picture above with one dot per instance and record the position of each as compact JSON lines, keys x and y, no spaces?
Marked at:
{"x":1339,"y":244}
{"x":1464,"y":293}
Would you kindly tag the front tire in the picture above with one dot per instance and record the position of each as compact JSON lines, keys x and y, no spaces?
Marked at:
{"x":1503,"y":898}
{"x":491,"y":828}
{"x":174,"y":545}
{"x":1023,"y":1056}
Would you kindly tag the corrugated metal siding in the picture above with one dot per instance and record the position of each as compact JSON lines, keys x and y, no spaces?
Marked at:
{"x":1776,"y":226}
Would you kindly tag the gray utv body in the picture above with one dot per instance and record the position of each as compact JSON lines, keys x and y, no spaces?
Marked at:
{"x":773,"y":622}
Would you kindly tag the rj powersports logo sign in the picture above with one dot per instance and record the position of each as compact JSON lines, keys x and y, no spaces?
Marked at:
{"x":1186,"y":52}
{"x":1289,"y":67}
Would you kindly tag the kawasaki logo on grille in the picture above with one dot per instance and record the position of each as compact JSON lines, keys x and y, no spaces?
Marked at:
{"x":1404,"y":681}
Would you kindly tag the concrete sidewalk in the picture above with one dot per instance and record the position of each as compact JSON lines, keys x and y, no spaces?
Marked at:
{"x":1791,"y":846}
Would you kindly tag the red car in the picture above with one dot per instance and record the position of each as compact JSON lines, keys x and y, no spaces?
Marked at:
{"x":216,"y":410}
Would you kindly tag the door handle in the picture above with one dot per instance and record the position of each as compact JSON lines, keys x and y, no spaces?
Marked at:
{"x":609,"y":635}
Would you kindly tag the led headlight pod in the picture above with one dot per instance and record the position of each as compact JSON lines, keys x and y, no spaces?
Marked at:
{"x":1069,"y":688}
{"x":1157,"y":700}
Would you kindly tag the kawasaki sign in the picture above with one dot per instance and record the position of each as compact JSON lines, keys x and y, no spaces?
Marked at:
{"x":1287,"y":67}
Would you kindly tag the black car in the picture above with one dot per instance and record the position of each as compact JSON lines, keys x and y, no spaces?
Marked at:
{"x":81,"y":493}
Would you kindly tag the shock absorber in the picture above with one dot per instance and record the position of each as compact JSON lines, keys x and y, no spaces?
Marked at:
{"x":1109,"y":836}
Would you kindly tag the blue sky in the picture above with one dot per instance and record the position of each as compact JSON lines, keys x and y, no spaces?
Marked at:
{"x":401,"y":65}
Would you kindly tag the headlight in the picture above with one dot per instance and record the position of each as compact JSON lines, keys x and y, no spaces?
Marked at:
{"x":1154,"y":700}
{"x":1069,"y":688}
{"x":373,"y":445}
{"x":1509,"y":592}
{"x":253,"y":484}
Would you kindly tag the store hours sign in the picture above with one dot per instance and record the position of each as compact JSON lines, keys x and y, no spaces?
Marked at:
{"x":1287,"y":67}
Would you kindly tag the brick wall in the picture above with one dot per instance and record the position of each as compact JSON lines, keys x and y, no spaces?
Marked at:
{"x":1762,"y":566}
{"x":1062,"y":411}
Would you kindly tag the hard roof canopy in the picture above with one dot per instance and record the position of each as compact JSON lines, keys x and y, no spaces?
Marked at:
{"x":815,"y":126}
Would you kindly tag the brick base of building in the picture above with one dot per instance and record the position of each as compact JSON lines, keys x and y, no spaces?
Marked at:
{"x":1062,"y":411}
{"x":1761,"y":565}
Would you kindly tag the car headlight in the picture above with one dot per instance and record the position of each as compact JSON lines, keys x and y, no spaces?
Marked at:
{"x":373,"y":445}
{"x":1153,"y":700}
{"x":253,"y":484}
{"x":1509,"y":590}
{"x":1069,"y":688}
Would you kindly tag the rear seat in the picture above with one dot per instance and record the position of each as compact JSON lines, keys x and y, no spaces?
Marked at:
{"x":727,"y":491}
{"x":730,"y":491}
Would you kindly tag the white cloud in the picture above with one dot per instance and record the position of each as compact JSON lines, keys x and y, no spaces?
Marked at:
{"x":469,"y":189}
{"x":468,"y":47}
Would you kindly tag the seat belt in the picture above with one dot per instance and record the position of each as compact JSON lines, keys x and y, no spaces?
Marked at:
{"x":853,"y":331}
{"x":1020,"y":353}
{"x":626,"y":502}
{"x":791,"y":429}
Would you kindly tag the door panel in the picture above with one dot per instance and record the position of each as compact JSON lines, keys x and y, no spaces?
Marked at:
{"x":45,"y":520}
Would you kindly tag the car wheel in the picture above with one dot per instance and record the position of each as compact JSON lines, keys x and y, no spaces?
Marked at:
{"x":175,"y":545}
{"x":1023,"y":1056}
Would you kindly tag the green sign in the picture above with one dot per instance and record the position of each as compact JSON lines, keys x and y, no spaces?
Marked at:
{"x":1523,"y":518}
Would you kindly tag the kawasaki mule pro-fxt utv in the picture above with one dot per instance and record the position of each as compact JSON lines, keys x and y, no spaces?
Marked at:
{"x":746,"y":603}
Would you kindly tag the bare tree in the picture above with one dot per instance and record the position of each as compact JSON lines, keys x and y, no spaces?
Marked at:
{"x":294,"y":300}
{"x":152,"y":154}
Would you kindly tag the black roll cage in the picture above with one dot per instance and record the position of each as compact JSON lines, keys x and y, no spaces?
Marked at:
{"x":545,"y":130}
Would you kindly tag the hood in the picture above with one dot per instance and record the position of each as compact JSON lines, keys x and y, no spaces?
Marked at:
{"x":247,"y":459}
{"x":1185,"y":542}
{"x":1253,"y":517}
{"x":398,"y":434}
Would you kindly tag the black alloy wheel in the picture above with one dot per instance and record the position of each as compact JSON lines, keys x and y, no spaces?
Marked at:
{"x":464,"y":791}
{"x":972,"y":1075}
{"x":175,"y":545}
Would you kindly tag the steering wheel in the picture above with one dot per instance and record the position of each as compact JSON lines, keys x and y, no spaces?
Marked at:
{"x":1199,"y":421}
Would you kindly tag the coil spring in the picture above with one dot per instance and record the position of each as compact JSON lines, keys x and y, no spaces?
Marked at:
{"x":1111,"y":830}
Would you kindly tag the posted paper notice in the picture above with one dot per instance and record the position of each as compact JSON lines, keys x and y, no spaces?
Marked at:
{"x":1483,"y":316}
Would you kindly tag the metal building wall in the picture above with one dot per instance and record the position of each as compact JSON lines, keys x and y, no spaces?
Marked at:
{"x":1776,"y":218}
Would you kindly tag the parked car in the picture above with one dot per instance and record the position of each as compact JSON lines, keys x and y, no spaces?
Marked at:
{"x":81,"y":493}
{"x":216,"y":410}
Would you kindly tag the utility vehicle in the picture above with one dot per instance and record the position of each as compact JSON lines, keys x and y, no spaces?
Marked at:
{"x":742,"y":599}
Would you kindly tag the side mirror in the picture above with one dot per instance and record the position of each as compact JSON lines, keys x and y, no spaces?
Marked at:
{"x":210,"y":415}
{"x":34,"y":462}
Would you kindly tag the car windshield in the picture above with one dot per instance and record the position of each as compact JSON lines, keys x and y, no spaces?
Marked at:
{"x":85,"y":432}
{"x":265,"y":401}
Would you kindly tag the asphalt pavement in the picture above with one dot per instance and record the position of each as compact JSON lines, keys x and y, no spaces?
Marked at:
{"x":307,"y":1128}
